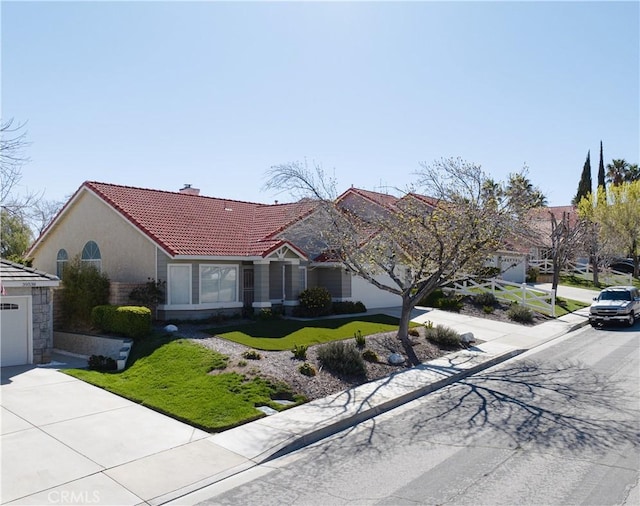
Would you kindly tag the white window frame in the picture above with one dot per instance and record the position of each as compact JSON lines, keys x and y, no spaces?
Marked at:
{"x":171,"y":267}
{"x":61,"y":262}
{"x":220,"y":266}
{"x":96,"y":261}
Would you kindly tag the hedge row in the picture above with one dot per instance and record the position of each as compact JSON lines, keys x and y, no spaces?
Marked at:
{"x":130,"y":321}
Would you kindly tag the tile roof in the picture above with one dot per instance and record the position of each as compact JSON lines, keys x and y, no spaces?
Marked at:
{"x":18,"y":275}
{"x":194,"y":225}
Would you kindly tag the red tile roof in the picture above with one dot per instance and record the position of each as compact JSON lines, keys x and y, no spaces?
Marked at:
{"x":194,"y":225}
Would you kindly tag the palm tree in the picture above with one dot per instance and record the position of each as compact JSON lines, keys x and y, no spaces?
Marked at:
{"x":633,"y":173}
{"x":617,"y":171}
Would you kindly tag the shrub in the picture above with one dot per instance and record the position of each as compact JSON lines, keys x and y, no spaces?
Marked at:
{"x":438,"y":299}
{"x":370,"y":356}
{"x":102,"y":363}
{"x":485,"y":299}
{"x":520,"y":313}
{"x":532,"y":274}
{"x":348,"y":307}
{"x":488,"y":309}
{"x":84,"y":287}
{"x":150,"y":294}
{"x":300,"y":351}
{"x":267,"y":314}
{"x":342,"y":358}
{"x":242,"y":363}
{"x":307,"y":369}
{"x":413,"y":332}
{"x":130,"y":321}
{"x":361,"y":342}
{"x":315,"y":301}
{"x":443,"y":336}
{"x":252,"y":355}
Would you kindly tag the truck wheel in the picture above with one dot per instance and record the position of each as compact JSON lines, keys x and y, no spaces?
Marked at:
{"x":632,"y":319}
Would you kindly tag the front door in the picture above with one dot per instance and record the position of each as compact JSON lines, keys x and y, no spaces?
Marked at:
{"x":247,"y":286}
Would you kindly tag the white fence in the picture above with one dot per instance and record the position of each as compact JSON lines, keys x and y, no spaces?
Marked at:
{"x":605,"y":275}
{"x":538,"y":299}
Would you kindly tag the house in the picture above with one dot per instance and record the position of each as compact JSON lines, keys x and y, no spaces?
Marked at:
{"x":216,"y":255}
{"x":26,"y":314}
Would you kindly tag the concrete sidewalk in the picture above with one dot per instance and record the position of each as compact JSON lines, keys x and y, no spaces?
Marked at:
{"x":67,"y":442}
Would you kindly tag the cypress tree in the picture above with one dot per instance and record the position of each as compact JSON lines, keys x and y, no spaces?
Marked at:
{"x":584,"y":186}
{"x":601,"y":175}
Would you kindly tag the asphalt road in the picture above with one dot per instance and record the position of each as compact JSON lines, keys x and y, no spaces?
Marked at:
{"x":557,"y":426}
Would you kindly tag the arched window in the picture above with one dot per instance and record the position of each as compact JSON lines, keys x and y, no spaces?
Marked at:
{"x":61,"y":260}
{"x":91,"y":255}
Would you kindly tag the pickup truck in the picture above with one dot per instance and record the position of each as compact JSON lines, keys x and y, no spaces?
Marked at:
{"x":615,"y":304}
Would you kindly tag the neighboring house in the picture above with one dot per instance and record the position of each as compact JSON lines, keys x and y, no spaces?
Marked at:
{"x":26,"y":314}
{"x":216,"y":255}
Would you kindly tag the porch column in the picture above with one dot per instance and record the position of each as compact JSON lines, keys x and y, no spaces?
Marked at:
{"x":261,"y":284}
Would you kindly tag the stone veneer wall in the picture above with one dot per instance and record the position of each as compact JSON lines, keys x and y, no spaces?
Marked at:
{"x":42,"y":321}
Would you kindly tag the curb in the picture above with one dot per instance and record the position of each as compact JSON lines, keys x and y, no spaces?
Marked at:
{"x":350,"y":421}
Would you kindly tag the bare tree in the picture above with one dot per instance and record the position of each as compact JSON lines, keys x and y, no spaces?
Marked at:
{"x":420,"y":242}
{"x":13,"y":142}
{"x":567,"y":237}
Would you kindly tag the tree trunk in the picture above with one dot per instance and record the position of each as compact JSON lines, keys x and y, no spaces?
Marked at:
{"x":594,"y":265}
{"x":403,"y":330}
{"x":556,"y":273}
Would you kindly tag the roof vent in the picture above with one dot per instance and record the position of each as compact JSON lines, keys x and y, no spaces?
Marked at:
{"x":189,"y":190}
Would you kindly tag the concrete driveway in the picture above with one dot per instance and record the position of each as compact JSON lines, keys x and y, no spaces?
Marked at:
{"x":67,"y":442}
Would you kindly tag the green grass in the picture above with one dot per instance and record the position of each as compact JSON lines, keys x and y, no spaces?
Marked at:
{"x":582,"y":282}
{"x":280,"y":335}
{"x":563,"y":306}
{"x":171,"y":376}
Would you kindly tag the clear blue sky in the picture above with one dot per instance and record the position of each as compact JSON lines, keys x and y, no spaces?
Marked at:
{"x":158,"y":94}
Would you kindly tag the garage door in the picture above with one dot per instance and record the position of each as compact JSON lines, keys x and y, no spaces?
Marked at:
{"x":14,"y":331}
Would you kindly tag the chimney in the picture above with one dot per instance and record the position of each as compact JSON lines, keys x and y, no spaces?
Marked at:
{"x":189,"y":190}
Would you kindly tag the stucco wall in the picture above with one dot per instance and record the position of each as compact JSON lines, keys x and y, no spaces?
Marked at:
{"x":127,"y":255}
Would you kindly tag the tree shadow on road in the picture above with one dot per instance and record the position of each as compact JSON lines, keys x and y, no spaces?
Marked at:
{"x":565,"y":405}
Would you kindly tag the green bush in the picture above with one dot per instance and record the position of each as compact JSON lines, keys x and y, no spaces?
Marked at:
{"x":83,"y":288}
{"x":348,"y":307}
{"x":342,"y":358}
{"x":268,"y":314}
{"x":361,"y":342}
{"x":300,"y":351}
{"x":532,"y":274}
{"x":307,"y":369}
{"x":102,"y":363}
{"x":370,"y":356}
{"x":520,"y":313}
{"x":150,"y":294}
{"x":443,"y":336}
{"x":413,"y":332}
{"x":488,"y":309}
{"x":438,"y":299}
{"x":315,"y":301}
{"x":130,"y":321}
{"x":485,"y":299}
{"x":252,"y":355}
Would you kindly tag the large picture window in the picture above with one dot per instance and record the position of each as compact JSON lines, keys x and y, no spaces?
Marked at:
{"x":179,"y":289}
{"x":218,"y":283}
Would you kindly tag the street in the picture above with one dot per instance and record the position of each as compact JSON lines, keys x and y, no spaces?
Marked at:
{"x":558,"y":425}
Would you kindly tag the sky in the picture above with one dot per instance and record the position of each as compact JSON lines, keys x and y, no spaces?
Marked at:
{"x":213,"y":94}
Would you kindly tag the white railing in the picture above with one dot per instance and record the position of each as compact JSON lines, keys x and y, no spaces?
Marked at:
{"x":605,"y":275}
{"x":506,"y":291}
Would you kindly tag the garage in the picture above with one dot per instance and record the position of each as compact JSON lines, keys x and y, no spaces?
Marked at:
{"x":26,"y":314}
{"x":15,"y":331}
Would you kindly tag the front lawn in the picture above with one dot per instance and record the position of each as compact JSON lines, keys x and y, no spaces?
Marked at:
{"x":280,"y":335}
{"x":172,"y":376}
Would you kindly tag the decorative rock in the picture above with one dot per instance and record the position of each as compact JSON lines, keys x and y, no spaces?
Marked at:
{"x":267,"y":410}
{"x":395,"y":359}
{"x":171,"y":329}
{"x":467,"y":338}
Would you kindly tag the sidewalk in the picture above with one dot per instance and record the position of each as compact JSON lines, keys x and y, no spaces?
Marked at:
{"x":67,"y":442}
